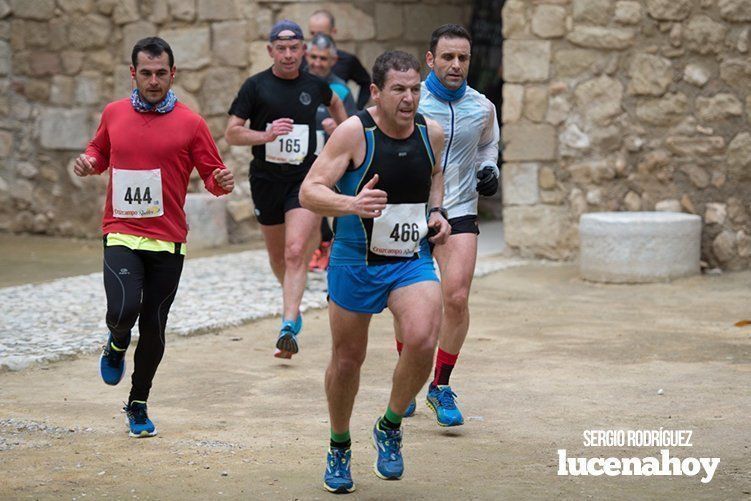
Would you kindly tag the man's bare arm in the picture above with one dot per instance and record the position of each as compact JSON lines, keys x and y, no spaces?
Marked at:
{"x":317,"y":194}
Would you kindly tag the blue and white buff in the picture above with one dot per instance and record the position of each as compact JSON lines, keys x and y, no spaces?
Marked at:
{"x":439,"y":90}
{"x":165,"y":106}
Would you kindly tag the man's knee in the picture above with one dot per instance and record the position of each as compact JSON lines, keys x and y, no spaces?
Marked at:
{"x":294,"y":252}
{"x":123,"y":317}
{"x":456,"y":300}
{"x":421,"y":339}
{"x":348,"y":362}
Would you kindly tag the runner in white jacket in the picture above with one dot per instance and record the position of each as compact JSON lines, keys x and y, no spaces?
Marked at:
{"x":469,"y":161}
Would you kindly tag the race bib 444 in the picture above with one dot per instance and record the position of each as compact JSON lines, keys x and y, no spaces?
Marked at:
{"x":137,"y":193}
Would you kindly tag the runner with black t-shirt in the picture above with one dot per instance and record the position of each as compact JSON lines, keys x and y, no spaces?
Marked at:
{"x":281,"y":104}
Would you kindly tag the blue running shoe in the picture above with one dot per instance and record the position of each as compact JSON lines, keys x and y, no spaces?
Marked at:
{"x":441,"y":400}
{"x":112,"y":363}
{"x":287,"y":340}
{"x":297,"y":327}
{"x":389,"y":464}
{"x":338,"y":477}
{"x":138,"y":420}
{"x":410,"y":409}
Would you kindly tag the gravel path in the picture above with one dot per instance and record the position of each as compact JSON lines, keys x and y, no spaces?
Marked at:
{"x":62,"y":318}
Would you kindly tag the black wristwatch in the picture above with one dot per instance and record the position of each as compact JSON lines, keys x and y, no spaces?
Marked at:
{"x":443,"y":212}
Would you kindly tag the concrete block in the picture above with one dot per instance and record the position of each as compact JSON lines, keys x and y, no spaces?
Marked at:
{"x":634,"y":247}
{"x":207,"y":220}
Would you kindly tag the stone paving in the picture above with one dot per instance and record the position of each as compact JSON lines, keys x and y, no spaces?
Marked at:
{"x":62,"y":318}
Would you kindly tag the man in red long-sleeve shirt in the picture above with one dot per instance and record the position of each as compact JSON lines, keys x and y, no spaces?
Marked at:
{"x":150,"y":144}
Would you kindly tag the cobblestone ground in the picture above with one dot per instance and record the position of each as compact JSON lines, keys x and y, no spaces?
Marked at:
{"x":50,"y":321}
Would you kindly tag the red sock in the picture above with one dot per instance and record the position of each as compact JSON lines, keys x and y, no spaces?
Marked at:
{"x":399,"y":347}
{"x":444,"y":364}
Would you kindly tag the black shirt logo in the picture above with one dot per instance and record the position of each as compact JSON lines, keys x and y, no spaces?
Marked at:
{"x":305,"y":98}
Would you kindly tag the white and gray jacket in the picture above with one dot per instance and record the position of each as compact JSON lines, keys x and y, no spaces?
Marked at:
{"x":471,"y":137}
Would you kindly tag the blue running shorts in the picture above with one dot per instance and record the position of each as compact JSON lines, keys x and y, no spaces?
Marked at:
{"x":366,"y":289}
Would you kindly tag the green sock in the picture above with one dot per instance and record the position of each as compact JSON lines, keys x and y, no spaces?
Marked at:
{"x":391,"y":420}
{"x":340,"y":440}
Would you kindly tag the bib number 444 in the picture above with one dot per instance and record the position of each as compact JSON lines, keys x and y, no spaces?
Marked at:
{"x":133,"y":195}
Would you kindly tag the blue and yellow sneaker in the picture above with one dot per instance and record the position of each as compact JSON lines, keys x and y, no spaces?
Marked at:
{"x":441,"y":400}
{"x":112,"y":363}
{"x":338,"y":477}
{"x":389,"y":464}
{"x":138,"y":420}
{"x":410,"y":409}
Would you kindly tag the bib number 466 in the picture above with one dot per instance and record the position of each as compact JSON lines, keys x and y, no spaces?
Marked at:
{"x":405,"y":232}
{"x":134,"y":195}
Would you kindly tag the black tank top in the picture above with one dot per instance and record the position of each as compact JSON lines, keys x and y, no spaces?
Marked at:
{"x":405,"y":169}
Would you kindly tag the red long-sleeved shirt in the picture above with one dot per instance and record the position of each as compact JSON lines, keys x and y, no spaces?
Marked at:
{"x":173,"y":142}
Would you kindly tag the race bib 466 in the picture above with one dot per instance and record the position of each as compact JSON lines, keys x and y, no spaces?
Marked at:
{"x":398,"y":230}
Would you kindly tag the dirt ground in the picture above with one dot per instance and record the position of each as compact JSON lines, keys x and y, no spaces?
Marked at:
{"x":548,"y":357}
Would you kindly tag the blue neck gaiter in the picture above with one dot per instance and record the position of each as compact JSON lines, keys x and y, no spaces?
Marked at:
{"x":441,"y":92}
{"x":142,"y":106}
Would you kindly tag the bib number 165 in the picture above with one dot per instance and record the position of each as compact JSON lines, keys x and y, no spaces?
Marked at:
{"x":405,"y":232}
{"x":288,"y":145}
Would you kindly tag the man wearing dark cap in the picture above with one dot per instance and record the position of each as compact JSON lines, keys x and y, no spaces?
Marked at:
{"x":280,"y":105}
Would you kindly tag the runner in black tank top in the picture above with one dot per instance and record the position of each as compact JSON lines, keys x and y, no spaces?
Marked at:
{"x":383,"y":164}
{"x":404,"y":168}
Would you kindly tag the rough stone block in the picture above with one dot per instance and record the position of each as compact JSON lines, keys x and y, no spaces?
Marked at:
{"x":513,"y":97}
{"x":524,"y":141}
{"x":669,"y":10}
{"x":600,"y":98}
{"x":520,"y":184}
{"x":63,"y":129}
{"x":5,"y":58}
{"x":538,"y":229}
{"x":703,"y":35}
{"x":597,"y":37}
{"x":421,"y":20}
{"x":737,"y":74}
{"x":526,"y":60}
{"x":229,"y":42}
{"x":592,"y":11}
{"x":627,"y":12}
{"x":207,"y":220}
{"x":33,"y":9}
{"x":389,"y":21}
{"x":650,"y":75}
{"x":217,"y":10}
{"x":134,"y":32}
{"x":633,"y":247}
{"x":735,"y":10}
{"x":190,"y":46}
{"x":549,"y":21}
{"x":718,"y":107}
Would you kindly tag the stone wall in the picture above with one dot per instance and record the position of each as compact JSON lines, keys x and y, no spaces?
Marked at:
{"x":628,"y":105}
{"x":61,"y":61}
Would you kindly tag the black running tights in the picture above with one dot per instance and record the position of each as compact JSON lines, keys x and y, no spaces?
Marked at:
{"x":140,"y":285}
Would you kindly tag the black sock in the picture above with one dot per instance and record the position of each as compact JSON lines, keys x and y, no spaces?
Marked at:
{"x":340,"y":445}
{"x":386,"y":423}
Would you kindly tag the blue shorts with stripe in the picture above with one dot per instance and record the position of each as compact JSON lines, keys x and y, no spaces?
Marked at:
{"x":365,"y":289}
